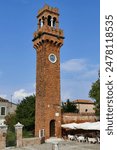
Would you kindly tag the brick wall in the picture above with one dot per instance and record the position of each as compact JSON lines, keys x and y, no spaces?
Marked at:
{"x":78,"y":118}
{"x":47,"y":40}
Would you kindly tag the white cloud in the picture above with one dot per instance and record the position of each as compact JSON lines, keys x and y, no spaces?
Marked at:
{"x":91,"y":72}
{"x":79,"y":68}
{"x":75,"y":89}
{"x":20,"y":94}
{"x":74,"y":65}
{"x":3,"y":95}
{"x":77,"y":76}
{"x":34,"y":85}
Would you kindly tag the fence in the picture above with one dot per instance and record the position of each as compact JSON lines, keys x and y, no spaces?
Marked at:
{"x":20,"y":141}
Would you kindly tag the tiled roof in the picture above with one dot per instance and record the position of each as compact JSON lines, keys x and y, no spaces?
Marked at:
{"x":83,"y":101}
{"x":6,"y":101}
{"x":3,"y":100}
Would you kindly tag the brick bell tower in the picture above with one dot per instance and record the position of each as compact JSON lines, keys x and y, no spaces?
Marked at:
{"x":47,"y":41}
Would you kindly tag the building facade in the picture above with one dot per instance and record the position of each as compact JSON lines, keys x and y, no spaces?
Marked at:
{"x":6,"y":108}
{"x":85,"y":106}
{"x":47,"y":41}
{"x":85,"y":113}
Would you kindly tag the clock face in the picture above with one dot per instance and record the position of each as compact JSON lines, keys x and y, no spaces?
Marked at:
{"x":52,"y":58}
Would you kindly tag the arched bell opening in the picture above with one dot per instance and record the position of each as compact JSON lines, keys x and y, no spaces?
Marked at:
{"x":49,"y":20}
{"x":54,"y":22}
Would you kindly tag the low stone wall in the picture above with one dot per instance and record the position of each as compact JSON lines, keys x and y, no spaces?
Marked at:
{"x":3,"y":131}
{"x":30,"y":141}
{"x":2,"y":141}
{"x":78,"y":118}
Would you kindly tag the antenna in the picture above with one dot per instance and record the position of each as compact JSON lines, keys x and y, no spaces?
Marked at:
{"x":11,"y":99}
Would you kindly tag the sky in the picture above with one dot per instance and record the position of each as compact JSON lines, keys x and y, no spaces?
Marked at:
{"x":80,"y":54}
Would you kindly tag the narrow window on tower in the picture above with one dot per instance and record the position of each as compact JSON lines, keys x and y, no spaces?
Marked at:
{"x":49,"y":20}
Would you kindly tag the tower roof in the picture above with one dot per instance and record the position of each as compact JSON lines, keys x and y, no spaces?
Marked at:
{"x":3,"y":100}
{"x":48,"y":8}
{"x":48,"y":27}
{"x":83,"y":101}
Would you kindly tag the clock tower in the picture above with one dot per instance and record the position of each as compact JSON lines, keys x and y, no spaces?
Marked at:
{"x":47,"y":41}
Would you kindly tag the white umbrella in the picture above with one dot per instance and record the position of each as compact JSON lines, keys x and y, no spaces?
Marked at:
{"x":84,"y":126}
{"x":69,"y":125}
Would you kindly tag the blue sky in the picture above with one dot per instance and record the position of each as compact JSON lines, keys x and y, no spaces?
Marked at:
{"x":79,"y":55}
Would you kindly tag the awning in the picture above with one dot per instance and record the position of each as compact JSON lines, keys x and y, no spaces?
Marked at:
{"x":84,"y":126}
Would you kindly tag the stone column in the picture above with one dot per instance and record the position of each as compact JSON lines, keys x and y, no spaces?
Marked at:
{"x":57,"y":24}
{"x":3,"y":131}
{"x":46,"y":21}
{"x":42,"y":22}
{"x":39,"y":23}
{"x":18,"y":129}
{"x":51,"y":22}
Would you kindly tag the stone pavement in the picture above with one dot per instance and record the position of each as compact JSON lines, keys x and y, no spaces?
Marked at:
{"x":63,"y":145}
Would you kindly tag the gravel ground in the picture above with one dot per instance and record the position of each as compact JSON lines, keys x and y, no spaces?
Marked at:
{"x":63,"y":145}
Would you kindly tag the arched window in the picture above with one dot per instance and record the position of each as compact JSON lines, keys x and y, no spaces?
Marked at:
{"x":86,"y":110}
{"x":49,"y":20}
{"x":54,"y":22}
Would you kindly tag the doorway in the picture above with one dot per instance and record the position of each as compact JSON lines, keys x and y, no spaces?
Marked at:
{"x":52,"y":128}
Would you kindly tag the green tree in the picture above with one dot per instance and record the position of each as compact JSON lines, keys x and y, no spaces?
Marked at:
{"x":10,"y":120}
{"x":94,"y":93}
{"x":69,"y":107}
{"x":25,"y":112}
